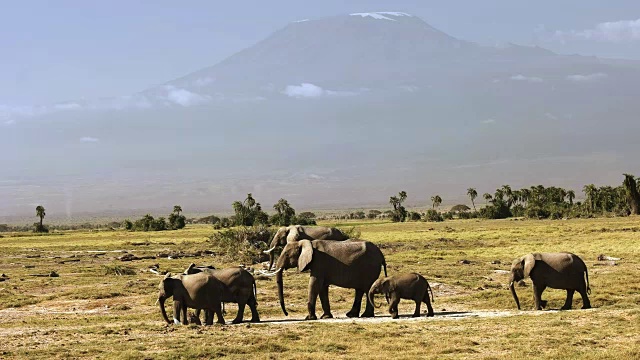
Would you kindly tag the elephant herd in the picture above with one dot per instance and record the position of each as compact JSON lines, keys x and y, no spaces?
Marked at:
{"x":332,"y":258}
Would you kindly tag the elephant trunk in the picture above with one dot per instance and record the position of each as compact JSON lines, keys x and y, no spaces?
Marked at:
{"x":371,"y":296}
{"x":271,"y":258}
{"x":513,"y":292}
{"x":281,"y":291}
{"x":161,"y":300}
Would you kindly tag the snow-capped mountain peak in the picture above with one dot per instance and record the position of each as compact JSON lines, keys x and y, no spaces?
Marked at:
{"x":382,"y":15}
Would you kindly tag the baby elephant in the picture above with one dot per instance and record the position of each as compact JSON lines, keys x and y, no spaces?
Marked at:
{"x":406,"y":286}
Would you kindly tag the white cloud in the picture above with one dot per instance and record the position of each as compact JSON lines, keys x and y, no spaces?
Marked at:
{"x":587,"y":78}
{"x":304,"y":90}
{"x":303,"y":20}
{"x":307,"y":90}
{"x":489,"y":121}
{"x":89,"y":139}
{"x":184,"y":97}
{"x":612,"y":31}
{"x":10,"y":122}
{"x":521,"y":77}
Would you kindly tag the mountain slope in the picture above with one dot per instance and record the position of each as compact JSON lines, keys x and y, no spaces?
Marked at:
{"x":337,"y":111}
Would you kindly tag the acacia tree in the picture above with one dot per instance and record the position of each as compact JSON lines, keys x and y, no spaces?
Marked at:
{"x":473,"y":194}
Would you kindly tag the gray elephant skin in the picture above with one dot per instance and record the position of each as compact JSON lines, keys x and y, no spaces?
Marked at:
{"x":294,"y":233}
{"x":412,"y":286}
{"x":552,"y":270}
{"x":349,"y":264}
{"x":197,"y":291}
{"x":239,"y":287}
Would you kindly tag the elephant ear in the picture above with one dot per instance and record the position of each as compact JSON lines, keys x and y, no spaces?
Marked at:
{"x":529,"y":261}
{"x":306,"y":255}
{"x":388,"y":286}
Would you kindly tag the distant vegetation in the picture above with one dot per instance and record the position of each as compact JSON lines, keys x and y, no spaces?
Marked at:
{"x":148,"y":223}
{"x":535,"y":202}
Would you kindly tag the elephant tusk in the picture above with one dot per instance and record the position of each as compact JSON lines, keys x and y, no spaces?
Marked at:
{"x":511,"y":284}
{"x":156,"y":302}
{"x":267,"y":273}
{"x":269,"y":250}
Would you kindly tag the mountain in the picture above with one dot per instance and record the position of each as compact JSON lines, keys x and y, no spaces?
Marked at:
{"x":337,"y":111}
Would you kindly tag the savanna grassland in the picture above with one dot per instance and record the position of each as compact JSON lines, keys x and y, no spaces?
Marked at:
{"x":101,"y":307}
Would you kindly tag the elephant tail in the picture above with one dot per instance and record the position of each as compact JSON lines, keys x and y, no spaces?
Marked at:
{"x":384,"y":265}
{"x":586,"y":272}
{"x":255,"y":292}
{"x":429,"y":289}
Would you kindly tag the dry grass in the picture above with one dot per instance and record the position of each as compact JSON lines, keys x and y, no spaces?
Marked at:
{"x":100,"y":307}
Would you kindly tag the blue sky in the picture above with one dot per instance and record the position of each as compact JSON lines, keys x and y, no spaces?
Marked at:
{"x":54,"y":51}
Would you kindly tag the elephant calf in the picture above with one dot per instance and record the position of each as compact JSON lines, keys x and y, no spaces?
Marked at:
{"x":411,"y":286}
{"x":554,"y":270}
{"x":197,"y":291}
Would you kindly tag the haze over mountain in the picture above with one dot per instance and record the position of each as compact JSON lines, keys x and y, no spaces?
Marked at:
{"x":337,"y":111}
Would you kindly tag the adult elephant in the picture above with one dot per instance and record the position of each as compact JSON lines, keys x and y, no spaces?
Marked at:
{"x":294,"y":233}
{"x":239,"y":287}
{"x":348,"y":264}
{"x":197,"y":291}
{"x":554,"y":270}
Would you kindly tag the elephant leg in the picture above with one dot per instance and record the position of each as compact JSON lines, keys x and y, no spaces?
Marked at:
{"x":240,"y":314}
{"x":537,"y":295}
{"x":393,"y":306}
{"x":324,"y":301}
{"x":196,"y":313}
{"x":427,"y":301}
{"x":217,"y":308}
{"x":177,"y":308}
{"x":357,"y":302}
{"x":314,"y":290}
{"x":253,"y":305}
{"x":586,"y":304}
{"x":569,"y":301}
{"x":368,"y":309}
{"x":185,"y":320}
{"x":416,"y":312}
{"x":208,"y":316}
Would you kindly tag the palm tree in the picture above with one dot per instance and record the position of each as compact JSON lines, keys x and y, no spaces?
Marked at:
{"x":571,"y":195}
{"x":633,"y":197}
{"x":473,"y":194}
{"x":40,"y":213}
{"x":402,"y":195}
{"x":436,"y":200}
{"x":177,"y":209}
{"x":590,"y":192}
{"x":487,"y":197}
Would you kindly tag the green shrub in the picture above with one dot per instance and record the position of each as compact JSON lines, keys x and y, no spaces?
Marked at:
{"x":433,"y":215}
{"x":244,"y":244}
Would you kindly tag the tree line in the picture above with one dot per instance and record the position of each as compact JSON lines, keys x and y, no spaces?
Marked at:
{"x":537,"y":202}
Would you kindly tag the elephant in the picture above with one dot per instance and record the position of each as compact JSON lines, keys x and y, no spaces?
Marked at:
{"x":197,"y":291}
{"x":293,"y":233}
{"x":351,"y":264}
{"x":411,"y":286}
{"x":239,"y":287}
{"x":554,"y":270}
